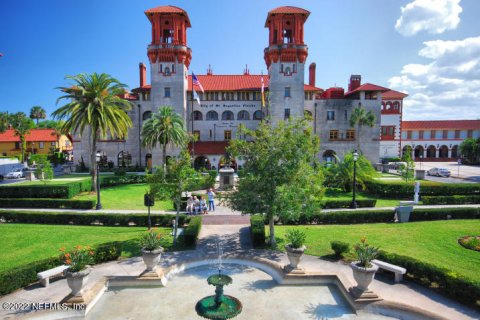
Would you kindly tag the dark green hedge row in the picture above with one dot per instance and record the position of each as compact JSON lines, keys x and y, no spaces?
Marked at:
{"x":257,"y":231}
{"x":366,"y":216}
{"x":405,"y":190}
{"x":331,"y":204}
{"x":439,"y":279}
{"x":163,"y":220}
{"x":451,"y":199}
{"x":18,"y":277}
{"x":191,"y":232}
{"x":46,"y":203}
{"x":64,"y":191}
{"x":110,"y":181}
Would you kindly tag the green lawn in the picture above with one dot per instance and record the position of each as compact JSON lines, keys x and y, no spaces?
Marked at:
{"x":24,"y":243}
{"x":433,"y":241}
{"x":337,"y":194}
{"x":127,"y":197}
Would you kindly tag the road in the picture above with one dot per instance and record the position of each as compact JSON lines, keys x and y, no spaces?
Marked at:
{"x":462,"y":173}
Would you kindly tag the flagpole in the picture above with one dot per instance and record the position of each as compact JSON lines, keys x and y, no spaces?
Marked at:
{"x":193,"y":140}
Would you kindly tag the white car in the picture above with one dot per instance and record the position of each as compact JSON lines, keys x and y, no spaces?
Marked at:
{"x":439,"y":172}
{"x":16,"y":174}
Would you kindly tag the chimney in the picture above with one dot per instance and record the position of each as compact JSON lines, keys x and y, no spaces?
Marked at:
{"x":355,"y":82}
{"x":311,"y":74}
{"x":209,"y":71}
{"x":143,"y":74}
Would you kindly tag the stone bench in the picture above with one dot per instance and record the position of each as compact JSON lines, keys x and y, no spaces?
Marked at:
{"x":44,"y":276}
{"x":399,"y":271}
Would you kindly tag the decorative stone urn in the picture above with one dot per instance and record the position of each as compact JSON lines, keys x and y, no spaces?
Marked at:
{"x":151,"y":258}
{"x":77,"y":280}
{"x":363,"y":276}
{"x":294,"y":255}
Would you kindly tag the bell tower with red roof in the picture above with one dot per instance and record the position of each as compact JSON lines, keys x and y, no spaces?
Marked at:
{"x":169,"y":57}
{"x":285,"y":57}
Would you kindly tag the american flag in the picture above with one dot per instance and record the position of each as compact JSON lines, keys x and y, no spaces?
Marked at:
{"x":197,"y":83}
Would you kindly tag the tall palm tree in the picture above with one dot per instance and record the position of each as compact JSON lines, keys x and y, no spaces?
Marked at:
{"x":37,"y":112}
{"x":94,"y":103}
{"x":361,"y":117}
{"x":165,"y":128}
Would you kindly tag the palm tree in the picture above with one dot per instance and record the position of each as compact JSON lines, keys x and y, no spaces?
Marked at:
{"x":165,"y":128}
{"x":37,"y":112}
{"x":361,"y":117}
{"x":21,"y":125}
{"x":95,"y":103}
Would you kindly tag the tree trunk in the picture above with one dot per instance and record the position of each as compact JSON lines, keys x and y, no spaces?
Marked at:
{"x":177,"y":200}
{"x":93,"y":161}
{"x":358,"y":137}
{"x":272,"y":231}
{"x":164,"y":159}
{"x":22,"y":146}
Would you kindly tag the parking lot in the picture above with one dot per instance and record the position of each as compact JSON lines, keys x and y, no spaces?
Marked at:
{"x":459,"y":173}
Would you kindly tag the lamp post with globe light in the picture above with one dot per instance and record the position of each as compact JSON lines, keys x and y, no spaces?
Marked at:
{"x":99,"y":205}
{"x":355,"y":158}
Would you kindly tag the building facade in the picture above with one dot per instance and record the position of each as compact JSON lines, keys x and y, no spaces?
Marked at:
{"x":226,"y":101}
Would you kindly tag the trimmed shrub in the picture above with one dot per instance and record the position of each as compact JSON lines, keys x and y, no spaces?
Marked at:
{"x":21,"y":276}
{"x":405,"y":190}
{"x":47,"y":203}
{"x":330,"y":204}
{"x":339,"y":247}
{"x":163,"y":220}
{"x":110,"y":181}
{"x":257,"y":230}
{"x":436,"y":278}
{"x":64,"y":191}
{"x":420,"y":214}
{"x":456,"y":199}
{"x":191,"y":232}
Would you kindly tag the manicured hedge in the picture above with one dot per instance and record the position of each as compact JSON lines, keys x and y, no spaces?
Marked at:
{"x":163,"y":220}
{"x":257,"y":230}
{"x":420,"y":214}
{"x":331,"y":204}
{"x":451,"y":199}
{"x":191,"y":232}
{"x":405,"y":190}
{"x":65,"y":191}
{"x":13,"y":279}
{"x":46,"y":203}
{"x":439,"y":279}
{"x":110,"y":181}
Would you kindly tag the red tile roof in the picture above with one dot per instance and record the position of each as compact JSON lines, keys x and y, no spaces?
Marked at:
{"x":34,"y":135}
{"x":368,"y":87}
{"x":167,"y":9}
{"x":441,"y":124}
{"x":230,"y":83}
{"x":209,"y":147}
{"x":287,"y":10}
{"x":392,"y":94}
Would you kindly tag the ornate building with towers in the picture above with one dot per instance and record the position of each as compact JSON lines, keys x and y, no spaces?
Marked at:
{"x":226,"y":101}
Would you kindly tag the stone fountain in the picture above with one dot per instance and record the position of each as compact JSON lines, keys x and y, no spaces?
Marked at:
{"x":219,"y":306}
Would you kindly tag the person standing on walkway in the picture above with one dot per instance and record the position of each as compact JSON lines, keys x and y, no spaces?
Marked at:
{"x":211,"y":200}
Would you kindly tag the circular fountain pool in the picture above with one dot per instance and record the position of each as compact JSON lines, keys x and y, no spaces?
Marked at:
{"x":261,"y":296}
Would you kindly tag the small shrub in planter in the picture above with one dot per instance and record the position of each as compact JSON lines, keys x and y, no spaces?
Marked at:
{"x":339,"y":247}
{"x":296,"y":238}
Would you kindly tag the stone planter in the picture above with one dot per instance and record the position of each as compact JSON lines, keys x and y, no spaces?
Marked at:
{"x":403,"y":213}
{"x":363,"y":276}
{"x":294,"y":255}
{"x":151,"y":258}
{"x":77,"y":280}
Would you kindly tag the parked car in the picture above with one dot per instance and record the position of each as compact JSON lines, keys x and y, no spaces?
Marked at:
{"x":439,"y":172}
{"x":16,"y":174}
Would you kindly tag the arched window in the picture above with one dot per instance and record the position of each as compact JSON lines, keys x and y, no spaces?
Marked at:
{"x":227,"y":115}
{"x":329,"y":157}
{"x":258,"y":115}
{"x":396,"y":105}
{"x":197,"y":115}
{"x":212,"y":115}
{"x":243,"y":115}
{"x":147,"y":115}
{"x":383,"y":106}
{"x":124,"y":159}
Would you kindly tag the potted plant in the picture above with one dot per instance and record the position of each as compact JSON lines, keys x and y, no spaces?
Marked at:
{"x":79,"y":260}
{"x":295,"y":246}
{"x":363,"y":269}
{"x":151,"y":249}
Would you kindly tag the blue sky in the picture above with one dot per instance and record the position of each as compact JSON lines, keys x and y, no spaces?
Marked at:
{"x":427,"y":48}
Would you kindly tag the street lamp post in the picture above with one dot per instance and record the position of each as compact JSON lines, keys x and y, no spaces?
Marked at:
{"x":421,"y":157}
{"x":99,"y":205}
{"x":355,"y":158}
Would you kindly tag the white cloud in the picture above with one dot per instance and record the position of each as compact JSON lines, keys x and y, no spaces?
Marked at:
{"x":432,"y":16}
{"x":446,"y":88}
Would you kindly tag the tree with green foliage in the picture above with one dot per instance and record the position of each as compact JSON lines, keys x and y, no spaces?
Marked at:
{"x":171,"y":183}
{"x":470,"y":150}
{"x":280,"y":176}
{"x":4,"y":121}
{"x":164,"y":128}
{"x":37,"y":113}
{"x":407,"y":171}
{"x":360,"y":118}
{"x":21,"y":125}
{"x":44,"y":170}
{"x":340,"y":174}
{"x":94,"y":103}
